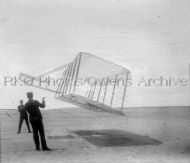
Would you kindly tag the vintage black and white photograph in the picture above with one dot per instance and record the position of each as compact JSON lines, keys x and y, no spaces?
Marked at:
{"x":94,"y":81}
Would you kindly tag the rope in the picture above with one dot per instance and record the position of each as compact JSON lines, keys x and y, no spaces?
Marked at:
{"x":54,"y":70}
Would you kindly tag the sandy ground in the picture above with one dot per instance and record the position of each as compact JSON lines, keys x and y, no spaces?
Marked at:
{"x":76,"y":135}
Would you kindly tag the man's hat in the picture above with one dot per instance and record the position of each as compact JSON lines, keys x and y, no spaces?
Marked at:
{"x":29,"y":94}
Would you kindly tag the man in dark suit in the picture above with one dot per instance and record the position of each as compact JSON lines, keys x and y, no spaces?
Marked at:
{"x":36,"y":120}
{"x":23,"y":116}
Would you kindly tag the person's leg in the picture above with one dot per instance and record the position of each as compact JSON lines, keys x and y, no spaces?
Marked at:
{"x":20,"y":125}
{"x":27,"y":123}
{"x":35,"y":135}
{"x":42,"y":136}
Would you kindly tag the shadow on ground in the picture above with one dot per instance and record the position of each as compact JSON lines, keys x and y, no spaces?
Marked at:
{"x":187,"y":148}
{"x":61,"y":137}
{"x":107,"y":138}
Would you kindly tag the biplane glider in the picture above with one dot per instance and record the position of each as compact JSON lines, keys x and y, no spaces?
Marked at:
{"x":88,"y":81}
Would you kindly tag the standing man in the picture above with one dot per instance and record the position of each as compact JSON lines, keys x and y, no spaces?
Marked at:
{"x":32,"y":107}
{"x":23,"y":116}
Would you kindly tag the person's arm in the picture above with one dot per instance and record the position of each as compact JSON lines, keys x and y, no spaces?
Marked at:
{"x":25,"y":108}
{"x":19,"y":109}
{"x":43,"y":104}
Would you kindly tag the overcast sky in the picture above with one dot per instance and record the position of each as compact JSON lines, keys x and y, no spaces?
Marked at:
{"x":149,"y":37}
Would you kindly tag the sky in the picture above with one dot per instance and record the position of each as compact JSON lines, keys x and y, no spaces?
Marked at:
{"x":150,"y":38}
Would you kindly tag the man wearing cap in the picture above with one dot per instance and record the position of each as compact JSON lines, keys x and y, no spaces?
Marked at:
{"x":23,"y":116}
{"x":36,"y":120}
